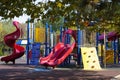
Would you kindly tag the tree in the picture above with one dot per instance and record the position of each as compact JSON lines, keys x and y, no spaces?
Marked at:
{"x":6,"y":27}
{"x":12,"y":8}
{"x":75,"y":12}
{"x":99,"y":14}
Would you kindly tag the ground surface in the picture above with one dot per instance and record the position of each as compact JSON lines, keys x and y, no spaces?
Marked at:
{"x":21,"y":71}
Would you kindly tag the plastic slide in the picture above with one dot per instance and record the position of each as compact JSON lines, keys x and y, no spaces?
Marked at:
{"x":61,"y":56}
{"x":57,"y":57}
{"x":60,"y":52}
{"x":10,"y":40}
{"x":57,"y":49}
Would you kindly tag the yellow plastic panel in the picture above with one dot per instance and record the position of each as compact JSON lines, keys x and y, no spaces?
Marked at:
{"x":90,"y":58}
{"x":109,"y":57}
{"x":39,"y":34}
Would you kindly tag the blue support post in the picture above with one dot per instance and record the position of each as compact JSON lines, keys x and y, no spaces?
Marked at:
{"x":114,"y":48}
{"x":118,"y":46}
{"x":66,"y":36}
{"x":78,"y":46}
{"x":46,"y":40}
{"x":61,"y":33}
{"x":33,"y":29}
{"x":106,"y":45}
{"x":28,"y":42}
{"x":97,"y":41}
{"x":67,"y":41}
{"x":64,"y":40}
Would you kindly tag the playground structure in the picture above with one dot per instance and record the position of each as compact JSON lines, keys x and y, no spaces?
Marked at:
{"x":62,"y":51}
{"x":90,"y":58}
{"x":10,"y":40}
{"x":111,"y":47}
{"x":41,"y":38}
{"x":56,"y":54}
{"x":59,"y":54}
{"x":78,"y":35}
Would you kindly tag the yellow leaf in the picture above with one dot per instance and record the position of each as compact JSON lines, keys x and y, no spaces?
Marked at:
{"x":59,"y":4}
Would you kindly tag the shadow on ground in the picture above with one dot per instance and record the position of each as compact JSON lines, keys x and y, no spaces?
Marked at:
{"x":24,"y":72}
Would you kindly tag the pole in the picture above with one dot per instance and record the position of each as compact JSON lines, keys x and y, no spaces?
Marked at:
{"x":118,"y":50}
{"x":104,"y":49}
{"x":51,"y":37}
{"x":61,"y":33}
{"x":46,"y":39}
{"x":97,"y":41}
{"x":28,"y":42}
{"x":78,"y":46}
{"x":114,"y":46}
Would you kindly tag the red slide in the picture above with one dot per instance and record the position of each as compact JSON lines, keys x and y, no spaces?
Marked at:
{"x":10,"y":40}
{"x":61,"y":56}
{"x":59,"y":53}
{"x":57,"y":49}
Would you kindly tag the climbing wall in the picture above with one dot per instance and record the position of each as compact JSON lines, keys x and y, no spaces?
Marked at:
{"x":90,"y":58}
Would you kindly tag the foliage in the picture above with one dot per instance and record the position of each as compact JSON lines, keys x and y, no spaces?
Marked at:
{"x":100,"y":13}
{"x":12,"y":8}
{"x":5,"y":28}
{"x":39,"y":23}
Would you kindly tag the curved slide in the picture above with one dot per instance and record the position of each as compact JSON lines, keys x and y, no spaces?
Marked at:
{"x":59,"y":54}
{"x":10,"y":40}
{"x":57,"y":49}
{"x":62,"y":56}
